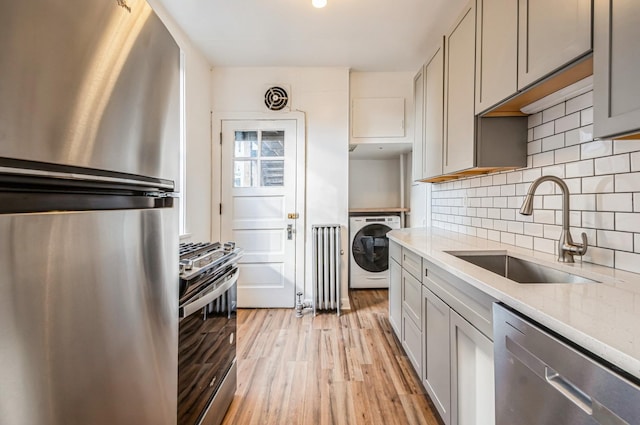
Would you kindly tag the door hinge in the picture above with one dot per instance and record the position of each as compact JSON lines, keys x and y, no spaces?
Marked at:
{"x":220,"y":209}
{"x":221,"y":137}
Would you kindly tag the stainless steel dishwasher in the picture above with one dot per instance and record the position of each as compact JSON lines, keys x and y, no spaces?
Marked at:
{"x":542,"y":379}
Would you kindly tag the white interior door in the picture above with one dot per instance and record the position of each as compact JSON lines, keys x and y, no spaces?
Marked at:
{"x":258,"y":194}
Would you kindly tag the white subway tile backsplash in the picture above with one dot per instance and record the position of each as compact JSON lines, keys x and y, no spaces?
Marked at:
{"x":628,"y":261}
{"x":581,"y":102}
{"x":625,"y":146}
{"x":628,"y":182}
{"x":493,"y":235}
{"x":598,"y":220}
{"x":542,"y":159}
{"x":570,"y":154}
{"x":553,"y":113}
{"x":586,"y":133}
{"x":544,"y":245}
{"x":614,"y":202}
{"x":579,"y":169}
{"x":553,"y":170}
{"x":583,"y":202}
{"x":499,"y":179}
{"x":598,"y":184}
{"x":544,"y":130}
{"x":500,"y":202}
{"x":514,"y":177}
{"x":524,"y":241}
{"x":596,"y":149}
{"x":568,"y":122}
{"x":621,"y":241}
{"x":544,"y":216}
{"x":603,"y":177}
{"x":598,"y":255}
{"x":535,"y":120}
{"x":552,"y":231}
{"x":534,"y":229}
{"x":515,"y":227}
{"x":586,"y":116}
{"x":508,"y":238}
{"x":508,"y":190}
{"x":628,"y":222}
{"x":534,"y":147}
{"x":612,"y":164}
{"x":635,"y":161}
{"x":572,"y":137}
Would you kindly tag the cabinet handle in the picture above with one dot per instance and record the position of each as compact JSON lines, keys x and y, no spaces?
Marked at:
{"x":569,"y":390}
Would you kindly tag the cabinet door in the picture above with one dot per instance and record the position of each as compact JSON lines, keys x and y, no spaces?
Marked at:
{"x":472,"y":381}
{"x":551,"y":33}
{"x":436,"y":373}
{"x":433,"y":110}
{"x":412,"y":298}
{"x":395,"y":296}
{"x":418,"y":136}
{"x":496,"y":52}
{"x":459,"y":117}
{"x":616,"y":56}
{"x":412,"y":342}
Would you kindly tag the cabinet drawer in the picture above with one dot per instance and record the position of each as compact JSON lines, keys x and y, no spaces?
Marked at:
{"x":471,"y":303}
{"x":412,"y":298}
{"x":412,"y":343}
{"x":412,"y":263}
{"x":395,"y":251}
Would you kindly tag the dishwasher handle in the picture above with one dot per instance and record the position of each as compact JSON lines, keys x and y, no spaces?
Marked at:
{"x":568,"y":390}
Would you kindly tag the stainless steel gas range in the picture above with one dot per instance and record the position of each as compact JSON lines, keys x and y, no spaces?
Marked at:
{"x":207,"y":332}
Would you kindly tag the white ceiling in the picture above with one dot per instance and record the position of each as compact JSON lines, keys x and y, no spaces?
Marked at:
{"x":364,"y":35}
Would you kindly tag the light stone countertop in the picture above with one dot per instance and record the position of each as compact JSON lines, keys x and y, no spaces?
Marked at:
{"x":604,"y":318}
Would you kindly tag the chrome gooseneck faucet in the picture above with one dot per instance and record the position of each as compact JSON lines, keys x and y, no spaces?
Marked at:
{"x":566,"y":247}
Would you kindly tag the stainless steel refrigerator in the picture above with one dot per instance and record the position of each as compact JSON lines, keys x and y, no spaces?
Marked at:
{"x":89,"y":153}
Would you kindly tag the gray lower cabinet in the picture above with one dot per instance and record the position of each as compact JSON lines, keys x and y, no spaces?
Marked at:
{"x":472,"y":380}
{"x":412,"y":319}
{"x":436,"y":374}
{"x":395,"y":296}
{"x":616,"y":92}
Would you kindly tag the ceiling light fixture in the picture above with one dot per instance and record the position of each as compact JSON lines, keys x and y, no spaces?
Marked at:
{"x":319,"y":3}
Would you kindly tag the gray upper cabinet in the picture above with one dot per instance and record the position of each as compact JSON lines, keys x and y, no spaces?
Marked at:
{"x":616,"y":91}
{"x":433,"y":110}
{"x":459,"y":116}
{"x":551,"y":33}
{"x":496,"y":52}
{"x":418,"y":136}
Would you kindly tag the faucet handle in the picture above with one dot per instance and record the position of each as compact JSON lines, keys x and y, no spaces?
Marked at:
{"x":582,"y":248}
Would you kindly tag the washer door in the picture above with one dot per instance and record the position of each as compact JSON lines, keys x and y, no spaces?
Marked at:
{"x":370,"y":248}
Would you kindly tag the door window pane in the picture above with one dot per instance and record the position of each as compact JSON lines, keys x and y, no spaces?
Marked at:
{"x":272,"y":173}
{"x":246,"y":144}
{"x":245,"y":173}
{"x":272,"y":143}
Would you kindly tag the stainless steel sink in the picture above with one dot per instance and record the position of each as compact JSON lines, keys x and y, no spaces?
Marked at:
{"x":519,"y":270}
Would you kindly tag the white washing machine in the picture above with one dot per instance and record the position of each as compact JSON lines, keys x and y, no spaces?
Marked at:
{"x":369,"y":250}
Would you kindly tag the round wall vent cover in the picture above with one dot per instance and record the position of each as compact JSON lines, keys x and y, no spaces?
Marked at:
{"x":276,"y":98}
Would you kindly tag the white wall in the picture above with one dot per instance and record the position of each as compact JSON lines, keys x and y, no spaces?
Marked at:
{"x":374,"y":183}
{"x":197,"y":133}
{"x":323,"y":94}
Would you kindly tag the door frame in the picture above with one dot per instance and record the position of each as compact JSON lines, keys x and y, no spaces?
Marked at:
{"x":301,"y":179}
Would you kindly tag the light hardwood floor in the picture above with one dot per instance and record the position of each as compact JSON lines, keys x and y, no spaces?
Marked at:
{"x":326,"y":369}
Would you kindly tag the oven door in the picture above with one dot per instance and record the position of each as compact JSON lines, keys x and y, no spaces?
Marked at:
{"x":207,"y":346}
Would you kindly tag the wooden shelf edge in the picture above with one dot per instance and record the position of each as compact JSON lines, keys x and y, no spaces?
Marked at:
{"x":467,"y":173}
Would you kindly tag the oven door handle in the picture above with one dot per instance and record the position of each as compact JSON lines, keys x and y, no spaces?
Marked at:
{"x":189,"y":309}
